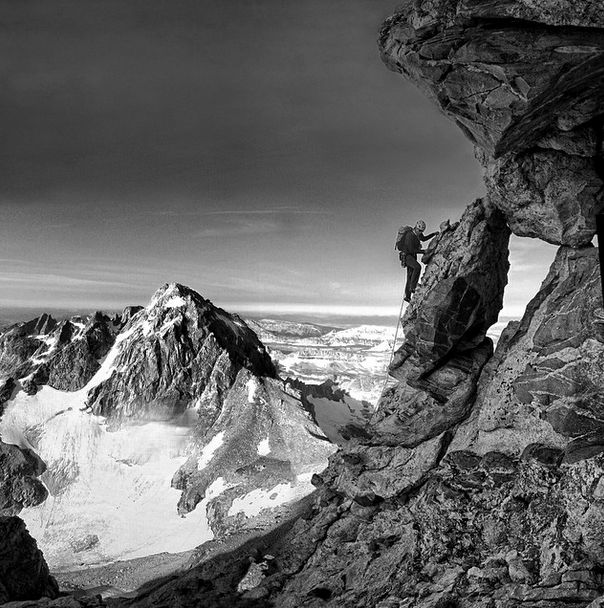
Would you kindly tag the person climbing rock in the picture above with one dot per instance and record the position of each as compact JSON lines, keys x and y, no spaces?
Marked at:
{"x":409,"y":245}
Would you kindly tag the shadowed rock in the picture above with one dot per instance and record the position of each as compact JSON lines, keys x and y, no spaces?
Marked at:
{"x":24,"y":574}
{"x":19,"y":486}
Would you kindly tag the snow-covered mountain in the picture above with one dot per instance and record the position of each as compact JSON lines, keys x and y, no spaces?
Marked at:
{"x":158,"y":428}
{"x":355,"y":358}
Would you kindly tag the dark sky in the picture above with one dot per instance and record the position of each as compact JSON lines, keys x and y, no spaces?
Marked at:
{"x":256,"y":150}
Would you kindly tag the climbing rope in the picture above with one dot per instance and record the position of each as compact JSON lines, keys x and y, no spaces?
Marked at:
{"x":398,"y":324}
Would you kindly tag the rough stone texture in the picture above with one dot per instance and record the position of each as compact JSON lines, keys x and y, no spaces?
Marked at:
{"x":370,"y":474}
{"x":267,"y":440}
{"x":7,"y":386}
{"x":178,"y":350}
{"x":72,"y":367}
{"x":78,"y":354}
{"x":537,"y":127}
{"x":545,"y":383}
{"x":63,"y":355}
{"x":19,"y":486}
{"x":445,"y":329}
{"x":16,"y":349}
{"x":24,"y":574}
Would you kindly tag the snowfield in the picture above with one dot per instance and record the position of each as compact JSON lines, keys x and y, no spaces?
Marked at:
{"x":109,"y":492}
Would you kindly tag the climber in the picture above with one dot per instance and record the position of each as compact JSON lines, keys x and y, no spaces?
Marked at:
{"x":409,"y":245}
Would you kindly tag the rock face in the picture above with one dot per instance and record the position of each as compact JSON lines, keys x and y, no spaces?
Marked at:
{"x":537,"y":128}
{"x":445,"y":329}
{"x":545,"y":383}
{"x":63,"y":355}
{"x":24,"y":574}
{"x":19,"y":486}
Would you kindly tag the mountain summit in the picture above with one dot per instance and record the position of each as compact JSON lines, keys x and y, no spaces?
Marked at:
{"x":158,"y":428}
{"x":178,"y":350}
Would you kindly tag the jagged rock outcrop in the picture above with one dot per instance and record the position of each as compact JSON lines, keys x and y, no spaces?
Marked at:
{"x":19,"y":483}
{"x":24,"y":574}
{"x":77,"y":361}
{"x":7,"y":386}
{"x":545,"y":383}
{"x":63,"y":355}
{"x":445,"y":345}
{"x":17,"y":347}
{"x":258,"y":458}
{"x":523,"y":80}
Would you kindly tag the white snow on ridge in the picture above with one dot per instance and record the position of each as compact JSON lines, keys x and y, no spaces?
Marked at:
{"x":209,"y":450}
{"x":175,"y":302}
{"x":264,"y":447}
{"x":107,"y":366}
{"x":252,"y":389}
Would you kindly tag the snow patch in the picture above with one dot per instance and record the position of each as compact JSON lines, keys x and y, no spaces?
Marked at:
{"x":254,"y":502}
{"x":252,"y":388}
{"x":264,"y":447}
{"x":216,"y":488}
{"x":209,"y":450}
{"x":175,"y":302}
{"x":107,"y":365}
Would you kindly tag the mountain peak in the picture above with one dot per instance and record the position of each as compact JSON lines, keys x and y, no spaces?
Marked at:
{"x":170,"y":295}
{"x":169,"y":352}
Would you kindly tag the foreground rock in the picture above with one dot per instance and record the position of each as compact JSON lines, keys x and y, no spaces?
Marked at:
{"x":445,"y":327}
{"x":24,"y":574}
{"x":523,"y":81}
{"x":545,"y":383}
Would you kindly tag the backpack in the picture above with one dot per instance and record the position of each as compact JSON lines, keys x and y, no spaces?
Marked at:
{"x":400,"y":238}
